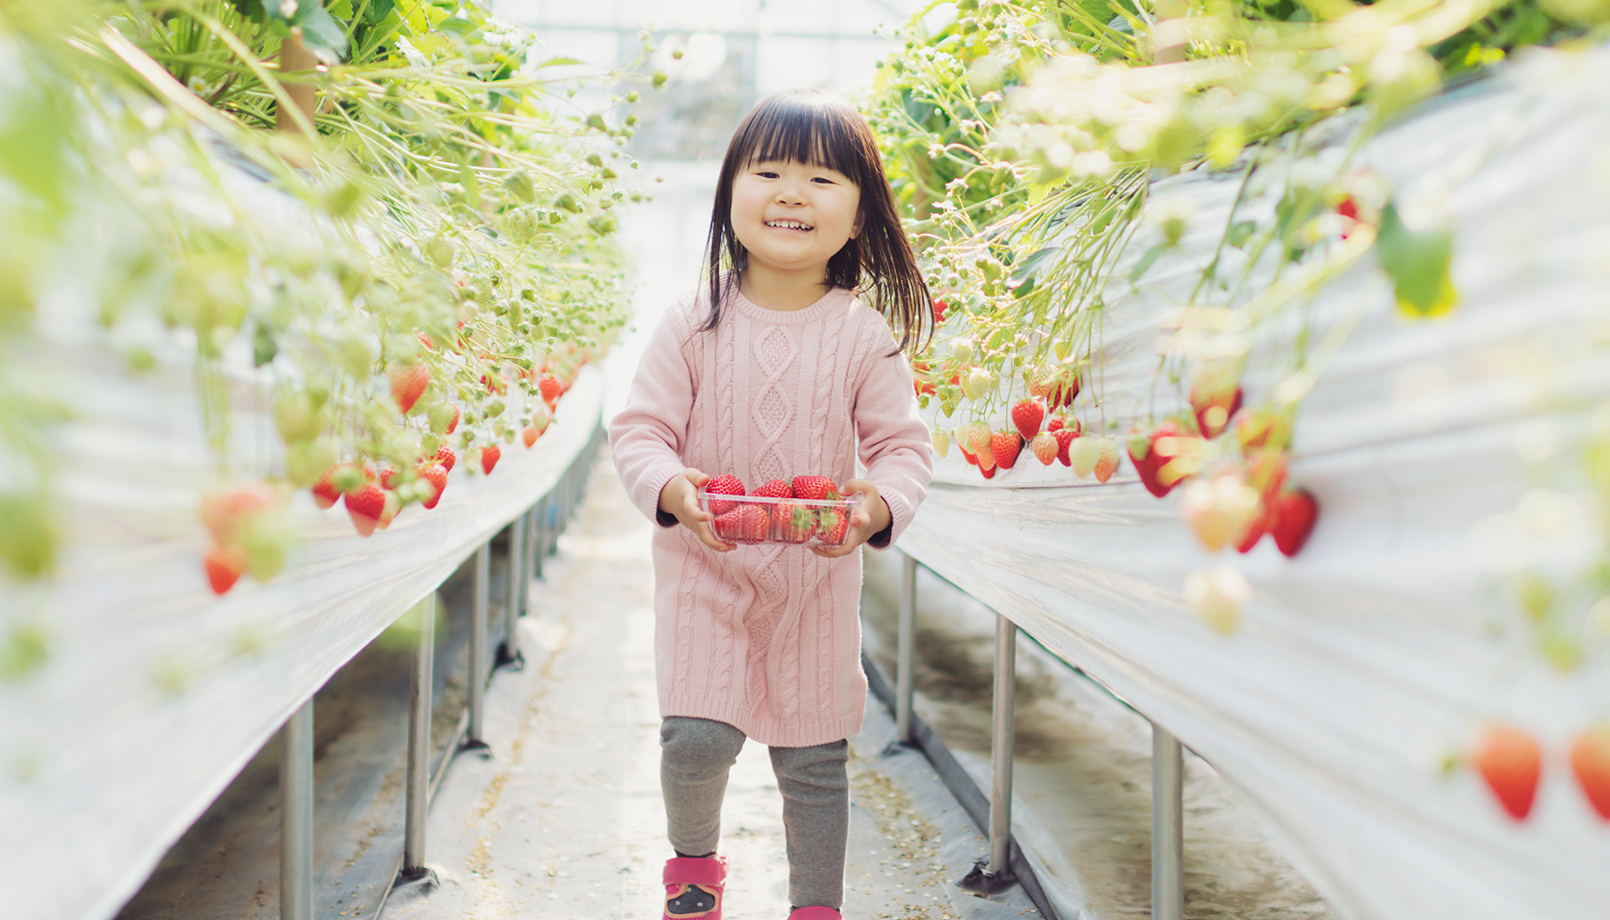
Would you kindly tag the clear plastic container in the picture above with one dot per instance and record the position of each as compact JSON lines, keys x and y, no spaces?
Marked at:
{"x":796,"y":521}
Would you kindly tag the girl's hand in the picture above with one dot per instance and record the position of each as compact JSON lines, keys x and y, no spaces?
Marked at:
{"x":680,"y":499}
{"x":870,"y":518}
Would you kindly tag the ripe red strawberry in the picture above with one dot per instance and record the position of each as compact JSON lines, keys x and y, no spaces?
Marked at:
{"x":224,"y":565}
{"x":971,"y":460}
{"x":495,"y":384}
{"x":223,"y":511}
{"x":446,"y":457}
{"x":1064,"y":388}
{"x":490,"y":454}
{"x":388,"y":478}
{"x":724,"y":485}
{"x":1255,"y":530}
{"x":815,"y":488}
{"x":365,"y":505}
{"x":1065,"y":438}
{"x":529,"y":435}
{"x":976,"y":436}
{"x":1045,"y":448}
{"x":436,"y":475}
{"x":1149,"y":461}
{"x":1590,"y":762}
{"x":1213,"y":407}
{"x":1027,"y":415}
{"x":454,"y":426}
{"x":1509,"y":761}
{"x":426,"y":341}
{"x":1266,"y":472}
{"x":408,"y":383}
{"x":1292,"y":519}
{"x":792,"y":522}
{"x":324,"y":491}
{"x":833,"y":526}
{"x":1055,"y":424}
{"x":744,"y":524}
{"x":388,"y":511}
{"x":1004,"y":447}
{"x":776,"y":488}
{"x":988,"y":472}
{"x":550,"y":388}
{"x":939,"y":307}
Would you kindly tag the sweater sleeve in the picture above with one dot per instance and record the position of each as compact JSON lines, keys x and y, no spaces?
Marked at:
{"x":894,"y":444}
{"x":647,"y":436}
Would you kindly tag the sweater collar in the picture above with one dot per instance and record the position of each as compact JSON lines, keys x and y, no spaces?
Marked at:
{"x":835,"y":300}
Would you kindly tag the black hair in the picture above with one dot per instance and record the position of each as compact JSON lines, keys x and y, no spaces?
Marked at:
{"x":821,"y":129}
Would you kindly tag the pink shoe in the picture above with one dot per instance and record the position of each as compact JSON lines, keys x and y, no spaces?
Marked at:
{"x":816,"y":913}
{"x":693,"y":887}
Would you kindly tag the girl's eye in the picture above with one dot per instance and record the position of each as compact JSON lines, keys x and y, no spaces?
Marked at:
{"x":767,"y":174}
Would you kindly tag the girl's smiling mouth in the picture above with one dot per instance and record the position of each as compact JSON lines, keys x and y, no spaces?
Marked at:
{"x":789,"y":225}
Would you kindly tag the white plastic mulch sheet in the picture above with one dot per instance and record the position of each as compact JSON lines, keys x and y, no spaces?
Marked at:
{"x":157,"y":692}
{"x":1393,"y":635}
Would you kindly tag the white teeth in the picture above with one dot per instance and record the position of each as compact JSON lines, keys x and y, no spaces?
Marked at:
{"x":788,"y":224}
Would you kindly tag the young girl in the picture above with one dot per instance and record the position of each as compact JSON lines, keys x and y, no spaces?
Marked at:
{"x":778,"y":370}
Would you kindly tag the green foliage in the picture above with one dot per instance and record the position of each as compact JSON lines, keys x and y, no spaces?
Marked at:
{"x":416,"y":210}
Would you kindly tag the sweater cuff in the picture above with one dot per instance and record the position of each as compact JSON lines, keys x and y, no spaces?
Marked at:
{"x":653,"y":483}
{"x":899,"y":517}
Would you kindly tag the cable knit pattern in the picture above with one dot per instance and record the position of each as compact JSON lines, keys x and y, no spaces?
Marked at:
{"x":767,"y":638}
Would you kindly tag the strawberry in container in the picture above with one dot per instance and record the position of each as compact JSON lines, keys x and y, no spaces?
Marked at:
{"x":807,"y":511}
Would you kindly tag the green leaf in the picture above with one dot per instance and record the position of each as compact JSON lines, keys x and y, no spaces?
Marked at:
{"x":1147,"y":260}
{"x":321,"y":33}
{"x":1240,"y":232}
{"x":1419,"y":264}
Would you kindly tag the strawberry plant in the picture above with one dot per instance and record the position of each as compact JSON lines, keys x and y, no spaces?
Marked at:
{"x":395,"y":248}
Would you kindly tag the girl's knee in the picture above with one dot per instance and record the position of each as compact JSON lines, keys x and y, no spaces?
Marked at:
{"x":699,"y":745}
{"x":824,"y":765}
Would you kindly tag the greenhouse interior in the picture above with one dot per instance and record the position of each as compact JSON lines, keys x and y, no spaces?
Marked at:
{"x":905,"y":459}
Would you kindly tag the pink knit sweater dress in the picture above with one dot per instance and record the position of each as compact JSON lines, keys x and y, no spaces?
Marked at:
{"x":767,"y":638}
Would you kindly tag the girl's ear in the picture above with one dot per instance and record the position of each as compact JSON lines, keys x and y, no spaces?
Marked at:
{"x":860,"y":219}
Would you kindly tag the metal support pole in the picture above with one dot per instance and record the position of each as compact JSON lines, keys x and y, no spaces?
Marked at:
{"x":530,"y":564}
{"x":1168,"y":827}
{"x":514,"y":596}
{"x":417,"y":788}
{"x":906,"y":665}
{"x":474,"y":736}
{"x":1000,"y":792}
{"x":296,"y":816}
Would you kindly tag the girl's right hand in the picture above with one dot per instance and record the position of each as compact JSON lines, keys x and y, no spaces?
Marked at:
{"x":680,"y":499}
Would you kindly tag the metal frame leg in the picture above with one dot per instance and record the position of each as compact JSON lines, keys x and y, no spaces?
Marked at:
{"x":1168,"y":826}
{"x":906,"y":663}
{"x":296,"y":816}
{"x":475,"y":733}
{"x":995,"y":874}
{"x":417,"y":784}
{"x":514,"y":597}
{"x":1002,"y":724}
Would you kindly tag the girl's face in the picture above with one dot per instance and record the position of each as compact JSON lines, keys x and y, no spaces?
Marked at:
{"x":792,"y":217}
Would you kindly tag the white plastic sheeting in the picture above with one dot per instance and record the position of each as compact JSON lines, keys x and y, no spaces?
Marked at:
{"x":157,"y":692}
{"x":1390,"y":638}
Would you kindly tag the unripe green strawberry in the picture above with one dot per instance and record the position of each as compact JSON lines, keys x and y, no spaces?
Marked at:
{"x":520,"y":225}
{"x":297,"y":415}
{"x":1083,"y":454}
{"x":440,"y":251}
{"x":357,"y":352}
{"x":520,"y":186}
{"x":962,"y":350}
{"x":266,"y":539}
{"x":307,"y":461}
{"x":440,"y":417}
{"x":941,"y":441}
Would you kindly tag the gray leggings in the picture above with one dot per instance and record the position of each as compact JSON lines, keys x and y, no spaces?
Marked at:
{"x":695,"y":755}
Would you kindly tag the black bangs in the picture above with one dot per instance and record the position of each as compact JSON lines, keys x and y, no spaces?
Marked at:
{"x":823,"y":130}
{"x":804,"y":126}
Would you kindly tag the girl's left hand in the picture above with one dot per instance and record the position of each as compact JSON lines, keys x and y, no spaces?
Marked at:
{"x":871,"y":517}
